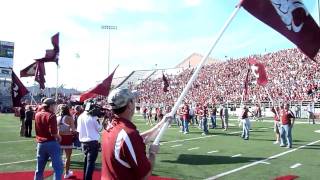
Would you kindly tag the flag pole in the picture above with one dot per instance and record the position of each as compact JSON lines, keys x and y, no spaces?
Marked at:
{"x":57,"y":83}
{"x":266,"y":89}
{"x":195,"y":74}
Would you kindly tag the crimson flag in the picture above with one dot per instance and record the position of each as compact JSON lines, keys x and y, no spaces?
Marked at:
{"x":52,"y":55}
{"x":29,"y":71}
{"x":291,"y":19}
{"x":101,"y":89}
{"x":18,"y":90}
{"x":259,"y":71}
{"x":165,"y":83}
{"x":39,"y":74}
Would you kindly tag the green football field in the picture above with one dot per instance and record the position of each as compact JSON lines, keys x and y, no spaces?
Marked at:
{"x":219,"y":155}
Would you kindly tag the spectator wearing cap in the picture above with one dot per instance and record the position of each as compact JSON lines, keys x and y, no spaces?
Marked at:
{"x":88,"y":127}
{"x":48,"y":140}
{"x":123,"y":148}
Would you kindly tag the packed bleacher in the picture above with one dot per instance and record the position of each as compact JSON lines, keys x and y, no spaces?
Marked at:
{"x":292,"y":77}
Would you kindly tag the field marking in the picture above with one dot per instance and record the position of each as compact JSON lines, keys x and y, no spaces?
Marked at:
{"x":237,"y":155}
{"x":317,"y":131}
{"x":260,"y":162}
{"x":16,"y":141}
{"x":182,"y":140}
{"x":18,"y":162}
{"x":236,"y":132}
{"x":193,"y":148}
{"x":176,"y":145}
{"x":295,"y":165}
{"x":212,"y":151}
{"x":257,"y":162}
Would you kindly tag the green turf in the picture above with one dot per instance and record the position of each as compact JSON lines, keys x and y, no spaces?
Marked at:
{"x":179,"y":162}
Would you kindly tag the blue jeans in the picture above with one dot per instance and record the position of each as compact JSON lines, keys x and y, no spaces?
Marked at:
{"x":44,"y":151}
{"x":214,"y":121}
{"x":90,"y":150}
{"x":205,"y":125}
{"x":245,"y":128}
{"x":285,"y":134}
{"x":185,"y":125}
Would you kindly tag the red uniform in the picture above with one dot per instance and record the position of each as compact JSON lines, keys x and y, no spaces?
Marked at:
{"x":123,"y":152}
{"x":46,"y":126}
{"x":285,"y":116}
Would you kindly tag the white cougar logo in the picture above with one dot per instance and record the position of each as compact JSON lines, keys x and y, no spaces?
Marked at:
{"x":285,"y":8}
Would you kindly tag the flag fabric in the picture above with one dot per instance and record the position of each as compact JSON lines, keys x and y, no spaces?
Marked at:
{"x":101,"y":89}
{"x":259,"y":71}
{"x":52,"y":55}
{"x":165,"y":83}
{"x":40,"y":73}
{"x":291,"y":19}
{"x":29,"y":71}
{"x":18,"y":90}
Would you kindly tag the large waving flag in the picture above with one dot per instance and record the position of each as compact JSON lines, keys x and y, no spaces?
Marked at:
{"x":29,"y":71}
{"x":52,"y":55}
{"x":101,"y":89}
{"x":259,"y":71}
{"x":165,"y":83}
{"x":18,"y":90}
{"x":39,"y":74}
{"x":291,"y":19}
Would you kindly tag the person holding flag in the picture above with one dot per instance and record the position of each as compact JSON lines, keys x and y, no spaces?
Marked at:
{"x":287,"y":122}
{"x":123,"y":147}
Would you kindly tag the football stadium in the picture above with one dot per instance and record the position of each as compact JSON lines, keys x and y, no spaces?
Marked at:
{"x":160,"y":107}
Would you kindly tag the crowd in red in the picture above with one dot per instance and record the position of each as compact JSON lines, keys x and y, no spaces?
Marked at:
{"x":292,"y":77}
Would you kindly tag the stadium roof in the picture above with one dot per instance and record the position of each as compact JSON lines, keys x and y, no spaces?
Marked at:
{"x":193,"y":60}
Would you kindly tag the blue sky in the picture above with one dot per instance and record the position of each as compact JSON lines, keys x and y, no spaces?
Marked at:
{"x":149,"y":32}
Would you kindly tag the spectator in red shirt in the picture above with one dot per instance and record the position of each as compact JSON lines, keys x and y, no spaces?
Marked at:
{"x":123,"y":148}
{"x":48,"y":140}
{"x":287,"y":121}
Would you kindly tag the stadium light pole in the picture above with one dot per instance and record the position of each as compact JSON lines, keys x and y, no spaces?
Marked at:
{"x":108,"y":28}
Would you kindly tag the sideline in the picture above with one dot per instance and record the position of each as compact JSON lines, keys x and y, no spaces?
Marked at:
{"x":17,"y":141}
{"x":18,"y":162}
{"x":261,"y":161}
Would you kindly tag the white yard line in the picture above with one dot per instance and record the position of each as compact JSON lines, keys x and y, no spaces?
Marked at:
{"x":210,"y":152}
{"x":260,"y":162}
{"x":193,"y":148}
{"x":16,"y":141}
{"x":237,"y":155}
{"x":176,"y":145}
{"x":317,"y":131}
{"x":182,"y":140}
{"x":295,"y":165}
{"x":236,"y":132}
{"x":257,"y":162}
{"x":31,"y":160}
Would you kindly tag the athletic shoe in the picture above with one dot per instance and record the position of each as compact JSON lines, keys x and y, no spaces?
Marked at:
{"x":282,"y":145}
{"x":246,"y":138}
{"x":186,"y":133}
{"x":276,"y":142}
{"x":204,"y":134}
{"x":289,"y":147}
{"x":68,"y":175}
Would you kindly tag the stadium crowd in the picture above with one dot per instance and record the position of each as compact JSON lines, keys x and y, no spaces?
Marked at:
{"x":292,"y":77}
